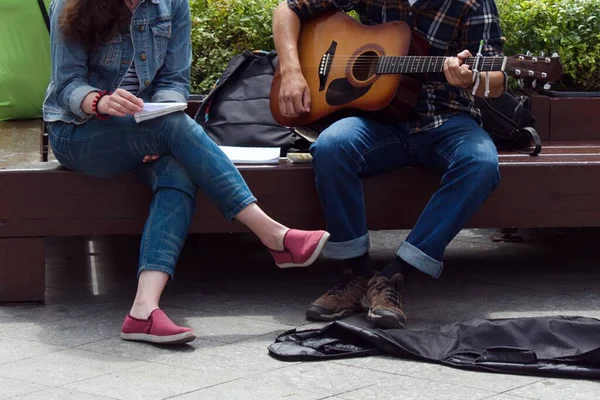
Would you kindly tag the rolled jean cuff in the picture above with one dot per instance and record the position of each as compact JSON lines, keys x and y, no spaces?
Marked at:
{"x":154,"y":267}
{"x":420,"y":260}
{"x":231,"y":214}
{"x":350,"y":249}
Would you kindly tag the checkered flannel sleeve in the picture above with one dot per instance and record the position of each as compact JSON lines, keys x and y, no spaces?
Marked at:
{"x":483,"y":23}
{"x":308,"y":8}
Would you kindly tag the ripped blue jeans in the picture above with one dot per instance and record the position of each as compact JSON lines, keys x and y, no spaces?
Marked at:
{"x":190,"y":160}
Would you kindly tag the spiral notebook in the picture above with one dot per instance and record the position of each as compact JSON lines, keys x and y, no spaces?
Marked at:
{"x":252,"y":155}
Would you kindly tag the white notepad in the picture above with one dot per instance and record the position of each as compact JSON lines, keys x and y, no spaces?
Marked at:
{"x":153,"y":110}
{"x":252,"y":155}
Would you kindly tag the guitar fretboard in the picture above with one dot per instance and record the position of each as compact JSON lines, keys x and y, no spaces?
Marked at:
{"x":427,"y":64}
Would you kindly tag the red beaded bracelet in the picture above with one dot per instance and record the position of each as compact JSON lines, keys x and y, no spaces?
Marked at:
{"x":100,"y":94}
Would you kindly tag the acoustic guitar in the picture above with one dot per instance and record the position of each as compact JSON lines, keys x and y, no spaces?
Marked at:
{"x":350,"y":67}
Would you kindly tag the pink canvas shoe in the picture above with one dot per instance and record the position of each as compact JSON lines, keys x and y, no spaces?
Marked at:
{"x":300,"y":248}
{"x":158,"y":328}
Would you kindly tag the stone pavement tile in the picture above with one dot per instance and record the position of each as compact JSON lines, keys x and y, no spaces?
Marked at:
{"x":388,"y":364}
{"x":478,"y":380}
{"x":325,"y":377}
{"x":10,"y":388}
{"x":232,"y":329}
{"x":146,"y":351}
{"x":438,"y":311}
{"x":268,"y":310}
{"x":487,"y":300}
{"x":231,"y":360}
{"x":73,"y":331}
{"x":559,"y":389}
{"x":409,"y":388}
{"x":260,"y":342}
{"x":566,"y":282}
{"x":14,"y":324}
{"x":244,"y":389}
{"x":62,"y":367}
{"x":151,"y":382}
{"x":16,"y":349}
{"x":23,"y":315}
{"x":60,"y":394}
{"x":276,"y":305}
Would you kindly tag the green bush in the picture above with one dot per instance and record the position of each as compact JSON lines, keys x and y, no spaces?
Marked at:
{"x":569,"y":27}
{"x":224,"y":28}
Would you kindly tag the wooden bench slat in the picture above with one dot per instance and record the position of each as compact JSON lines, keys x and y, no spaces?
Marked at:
{"x":544,"y":196}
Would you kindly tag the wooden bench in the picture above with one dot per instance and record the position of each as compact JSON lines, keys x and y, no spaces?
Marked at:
{"x":38,"y":199}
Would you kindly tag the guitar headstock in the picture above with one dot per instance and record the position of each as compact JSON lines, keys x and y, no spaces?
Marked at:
{"x":539,"y":68}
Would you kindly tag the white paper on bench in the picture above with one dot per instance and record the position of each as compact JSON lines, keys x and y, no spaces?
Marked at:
{"x":153,"y":110}
{"x":252,"y":155}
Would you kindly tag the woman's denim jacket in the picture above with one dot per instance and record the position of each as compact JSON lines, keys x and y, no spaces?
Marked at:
{"x":159,"y":42}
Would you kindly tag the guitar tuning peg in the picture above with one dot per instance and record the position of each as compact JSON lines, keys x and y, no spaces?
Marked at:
{"x":521,"y":83}
{"x":528,"y":53}
{"x":534,"y":83}
{"x":555,"y":54}
{"x":547,"y":86}
{"x":541,"y":54}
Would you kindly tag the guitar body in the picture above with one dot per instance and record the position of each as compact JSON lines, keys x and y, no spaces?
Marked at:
{"x":338,"y":56}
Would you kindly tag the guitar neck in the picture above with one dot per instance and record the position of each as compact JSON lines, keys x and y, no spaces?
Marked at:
{"x":430,"y":64}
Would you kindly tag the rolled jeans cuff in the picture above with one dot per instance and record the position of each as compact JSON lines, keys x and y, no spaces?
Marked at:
{"x":349,"y":249}
{"x":420,"y":260}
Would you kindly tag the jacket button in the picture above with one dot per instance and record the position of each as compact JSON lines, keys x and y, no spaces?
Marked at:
{"x":141,"y":28}
{"x":147,"y":83}
{"x":143,"y":57}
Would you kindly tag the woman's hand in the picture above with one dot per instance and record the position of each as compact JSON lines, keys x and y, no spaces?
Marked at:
{"x":120,"y":104}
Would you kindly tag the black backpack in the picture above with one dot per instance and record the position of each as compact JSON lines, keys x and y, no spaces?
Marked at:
{"x":236,"y":111}
{"x":509,"y":121}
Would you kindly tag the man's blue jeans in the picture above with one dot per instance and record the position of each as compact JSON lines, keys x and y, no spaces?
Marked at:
{"x":352,"y":148}
{"x":190,"y":160}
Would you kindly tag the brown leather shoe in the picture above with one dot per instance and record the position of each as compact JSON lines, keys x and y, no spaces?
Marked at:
{"x":341,"y":301}
{"x":384,"y":299}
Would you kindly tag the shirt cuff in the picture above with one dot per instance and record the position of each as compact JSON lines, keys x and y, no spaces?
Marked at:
{"x":77,"y":97}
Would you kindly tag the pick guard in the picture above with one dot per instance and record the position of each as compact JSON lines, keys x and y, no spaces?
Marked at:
{"x":340,"y":92}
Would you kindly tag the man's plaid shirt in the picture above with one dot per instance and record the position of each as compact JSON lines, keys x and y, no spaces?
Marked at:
{"x":449,"y":26}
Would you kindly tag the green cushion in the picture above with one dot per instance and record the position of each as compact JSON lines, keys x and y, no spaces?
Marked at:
{"x":24,"y":59}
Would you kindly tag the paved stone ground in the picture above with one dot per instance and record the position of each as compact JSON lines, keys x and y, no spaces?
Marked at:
{"x":238,"y":302}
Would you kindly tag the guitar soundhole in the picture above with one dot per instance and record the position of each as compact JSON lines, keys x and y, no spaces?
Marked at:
{"x":365,"y":66}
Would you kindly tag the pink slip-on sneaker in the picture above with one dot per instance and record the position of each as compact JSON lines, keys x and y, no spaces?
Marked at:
{"x":158,"y":328}
{"x":300,"y":248}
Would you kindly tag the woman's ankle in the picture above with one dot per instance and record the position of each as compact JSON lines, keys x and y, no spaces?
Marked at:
{"x":274,"y":239}
{"x":142,"y":309}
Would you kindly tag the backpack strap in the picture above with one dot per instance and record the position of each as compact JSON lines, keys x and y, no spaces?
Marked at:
{"x":44,"y":13}
{"x":536,"y":140}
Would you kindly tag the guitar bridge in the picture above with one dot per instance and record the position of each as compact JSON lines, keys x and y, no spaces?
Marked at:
{"x":325,"y":65}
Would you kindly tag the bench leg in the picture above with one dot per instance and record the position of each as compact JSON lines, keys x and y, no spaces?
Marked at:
{"x":22,"y":269}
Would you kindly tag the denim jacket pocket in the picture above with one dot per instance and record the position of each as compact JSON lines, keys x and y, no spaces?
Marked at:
{"x":161,"y":33}
{"x":106,"y":54}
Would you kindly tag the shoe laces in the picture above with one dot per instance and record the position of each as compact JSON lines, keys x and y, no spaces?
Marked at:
{"x":394,"y":290}
{"x":341,"y":286}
